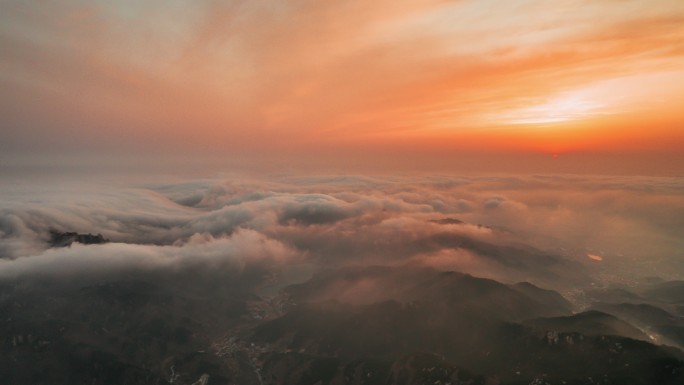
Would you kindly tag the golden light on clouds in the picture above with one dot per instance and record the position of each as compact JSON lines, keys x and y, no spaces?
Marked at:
{"x":263,"y":76}
{"x":563,"y":108}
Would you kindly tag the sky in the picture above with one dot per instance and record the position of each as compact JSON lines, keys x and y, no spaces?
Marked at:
{"x":568,"y":86}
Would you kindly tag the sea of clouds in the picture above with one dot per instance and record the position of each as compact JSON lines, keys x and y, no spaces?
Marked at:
{"x":550,"y":230}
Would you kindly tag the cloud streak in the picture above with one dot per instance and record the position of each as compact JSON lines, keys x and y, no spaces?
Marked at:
{"x":260,"y":76}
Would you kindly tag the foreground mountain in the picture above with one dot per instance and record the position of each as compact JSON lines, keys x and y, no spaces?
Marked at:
{"x":471,"y":323}
{"x":660,"y":325}
{"x":355,"y":325}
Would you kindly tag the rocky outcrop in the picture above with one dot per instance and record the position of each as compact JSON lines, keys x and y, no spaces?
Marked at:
{"x":63,"y":239}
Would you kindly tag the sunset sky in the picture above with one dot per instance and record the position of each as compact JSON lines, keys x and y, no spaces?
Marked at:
{"x":518,"y":85}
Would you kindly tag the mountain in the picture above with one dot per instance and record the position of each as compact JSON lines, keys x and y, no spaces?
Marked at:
{"x":661,"y":325}
{"x":368,"y":284}
{"x":124,"y":331}
{"x":469,"y":322}
{"x":63,"y":239}
{"x":590,"y":323}
{"x":670,"y":292}
{"x":351,"y":325}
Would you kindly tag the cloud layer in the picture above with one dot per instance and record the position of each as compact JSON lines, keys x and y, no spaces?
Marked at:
{"x":541,"y":229}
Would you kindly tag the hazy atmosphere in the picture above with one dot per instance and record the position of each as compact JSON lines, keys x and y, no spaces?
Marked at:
{"x":455,"y":85}
{"x":509,"y":228}
{"x":342,"y":192}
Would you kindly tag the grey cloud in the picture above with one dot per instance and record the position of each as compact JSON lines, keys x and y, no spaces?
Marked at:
{"x":311,"y":210}
{"x":218,"y":222}
{"x":520,"y":230}
{"x":97,"y":261}
{"x":493,"y":203}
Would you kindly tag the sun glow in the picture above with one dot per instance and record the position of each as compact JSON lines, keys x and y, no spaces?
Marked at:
{"x":564,"y":108}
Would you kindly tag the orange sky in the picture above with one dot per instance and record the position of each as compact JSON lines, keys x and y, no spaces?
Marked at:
{"x":349,"y":78}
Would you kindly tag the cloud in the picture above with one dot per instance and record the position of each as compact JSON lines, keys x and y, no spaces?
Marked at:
{"x":199,"y":252}
{"x":524,"y":228}
{"x":493,"y":203}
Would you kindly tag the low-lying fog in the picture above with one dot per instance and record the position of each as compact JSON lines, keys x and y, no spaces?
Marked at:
{"x":560,"y":232}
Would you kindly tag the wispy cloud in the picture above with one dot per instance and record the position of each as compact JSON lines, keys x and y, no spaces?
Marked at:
{"x":261,"y":75}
